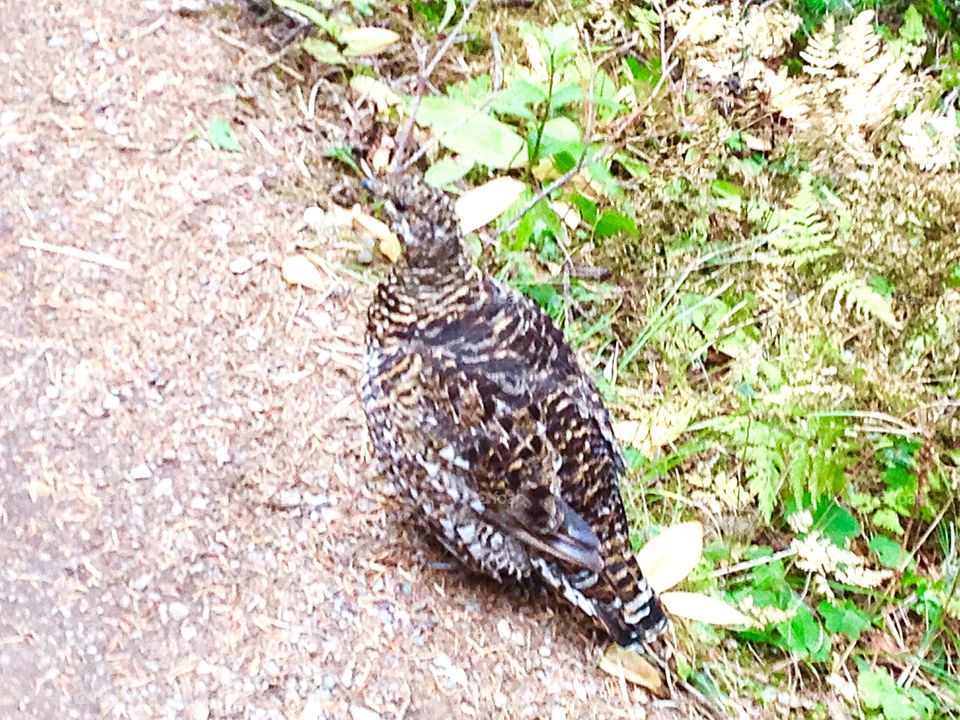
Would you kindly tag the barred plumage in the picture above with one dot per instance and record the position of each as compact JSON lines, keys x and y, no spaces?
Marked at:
{"x":479,"y":411}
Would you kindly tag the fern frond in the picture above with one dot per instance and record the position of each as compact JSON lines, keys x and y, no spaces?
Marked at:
{"x":854,"y":293}
{"x":859,"y":44}
{"x":798,"y":232}
{"x":760,"y":445}
{"x":820,"y":54}
{"x":786,"y":97}
{"x":930,"y":139}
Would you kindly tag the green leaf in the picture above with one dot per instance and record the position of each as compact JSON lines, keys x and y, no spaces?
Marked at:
{"x":836,"y":522}
{"x":804,"y":636}
{"x":912,"y":29}
{"x":464,"y":130}
{"x":846,"y":619}
{"x":323,"y":51}
{"x":221,"y":136}
{"x":888,"y":519}
{"x":613,"y":223}
{"x":878,"y":691}
{"x":517,"y":99}
{"x":312,"y":14}
{"x":883,"y":286}
{"x":446,"y":171}
{"x":888,"y":551}
{"x":539,"y":223}
{"x":727,"y":195}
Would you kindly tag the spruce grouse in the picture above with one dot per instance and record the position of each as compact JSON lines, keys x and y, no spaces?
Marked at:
{"x":481,"y":414}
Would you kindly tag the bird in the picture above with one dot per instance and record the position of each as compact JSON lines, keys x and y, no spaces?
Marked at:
{"x":483,"y":418}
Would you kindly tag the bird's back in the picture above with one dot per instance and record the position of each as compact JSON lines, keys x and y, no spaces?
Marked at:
{"x":480,"y":410}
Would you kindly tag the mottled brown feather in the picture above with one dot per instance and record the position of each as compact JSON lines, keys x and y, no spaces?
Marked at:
{"x":480,"y":412}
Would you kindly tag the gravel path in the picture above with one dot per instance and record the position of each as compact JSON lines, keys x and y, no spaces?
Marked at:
{"x":187,"y":522}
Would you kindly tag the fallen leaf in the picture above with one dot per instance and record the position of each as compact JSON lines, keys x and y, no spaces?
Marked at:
{"x":706,"y":609}
{"x":381,"y":95}
{"x":672,"y":555}
{"x":368,"y":40}
{"x":297,"y":270}
{"x":221,"y":136}
{"x":569,"y":214}
{"x":391,"y":248}
{"x":389,"y":243}
{"x":478,"y":206}
{"x":632,"y":667}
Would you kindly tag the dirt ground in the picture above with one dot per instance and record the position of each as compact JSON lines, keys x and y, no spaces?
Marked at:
{"x":188,"y":525}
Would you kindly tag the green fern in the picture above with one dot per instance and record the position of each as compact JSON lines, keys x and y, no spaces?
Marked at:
{"x":797,"y":232}
{"x":760,"y":445}
{"x":854,"y":293}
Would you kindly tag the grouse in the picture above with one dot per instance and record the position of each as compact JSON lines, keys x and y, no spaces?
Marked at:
{"x":481,"y":415}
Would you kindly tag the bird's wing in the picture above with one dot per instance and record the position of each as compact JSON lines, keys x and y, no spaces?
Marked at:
{"x":513,"y":395}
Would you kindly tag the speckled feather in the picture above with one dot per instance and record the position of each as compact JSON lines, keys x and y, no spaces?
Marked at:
{"x":480,"y":412}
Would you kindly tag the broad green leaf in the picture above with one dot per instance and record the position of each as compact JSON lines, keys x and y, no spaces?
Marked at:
{"x":912,"y":29}
{"x":888,"y":551}
{"x":613,"y":223}
{"x":221,"y":136}
{"x":878,"y":691}
{"x":464,"y":130}
{"x":304,"y":9}
{"x":887,"y":519}
{"x":845,"y":618}
{"x":517,"y":99}
{"x":836,"y":522}
{"x":540,"y":223}
{"x":446,"y":171}
{"x":323,"y":51}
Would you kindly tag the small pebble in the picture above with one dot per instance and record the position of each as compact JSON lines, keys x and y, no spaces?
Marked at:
{"x":178,"y":610}
{"x":240,"y":265}
{"x":189,"y":7}
{"x":361,"y":713}
{"x":503,"y":629}
{"x":288,"y":499}
{"x":141,"y":472}
{"x":188,"y":632}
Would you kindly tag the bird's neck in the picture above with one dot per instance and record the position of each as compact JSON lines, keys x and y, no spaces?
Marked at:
{"x":411,"y":295}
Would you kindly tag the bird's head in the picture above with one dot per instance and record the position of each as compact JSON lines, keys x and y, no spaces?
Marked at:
{"x":422,"y":217}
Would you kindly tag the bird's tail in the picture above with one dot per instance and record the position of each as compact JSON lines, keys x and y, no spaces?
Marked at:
{"x":619,"y":598}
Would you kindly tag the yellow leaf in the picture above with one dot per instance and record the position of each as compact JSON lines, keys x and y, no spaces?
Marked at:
{"x":672,"y":555}
{"x":706,"y":609}
{"x":477,"y":207}
{"x":368,"y":40}
{"x":298,"y":270}
{"x":389,"y":243}
{"x":632,"y":667}
{"x":569,"y":214}
{"x":381,"y":95}
{"x":379,"y":229}
{"x":390,"y":247}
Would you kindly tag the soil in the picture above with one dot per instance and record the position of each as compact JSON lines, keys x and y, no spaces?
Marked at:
{"x":188,"y":522}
